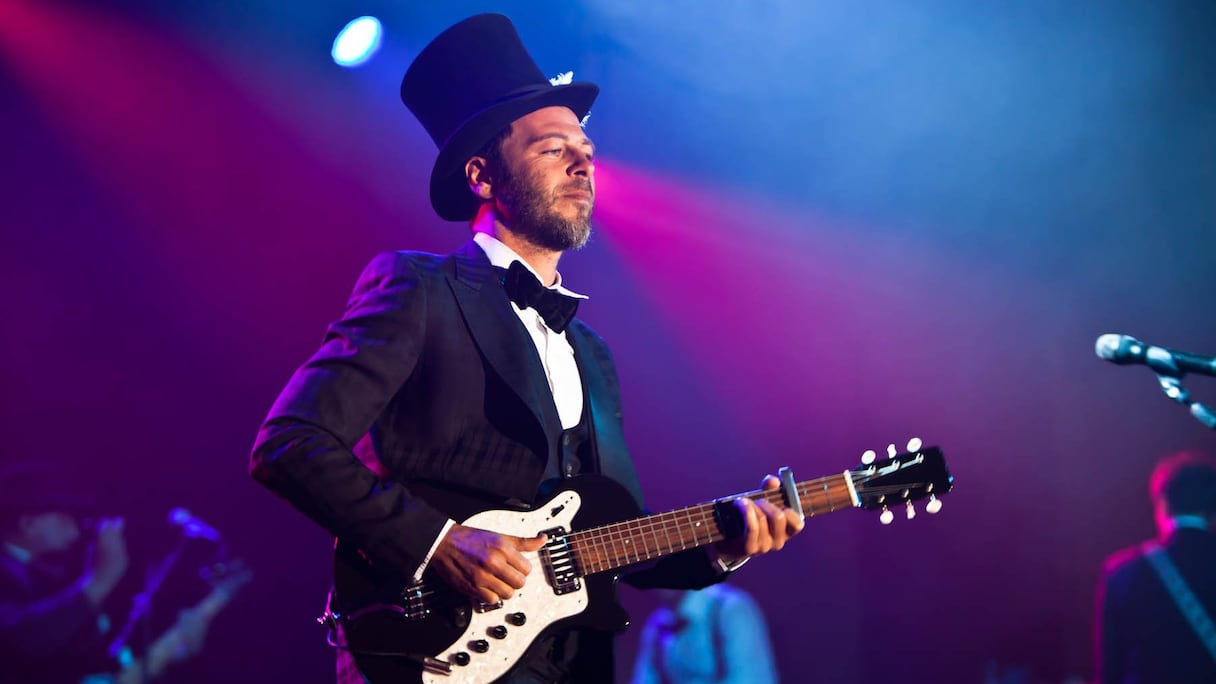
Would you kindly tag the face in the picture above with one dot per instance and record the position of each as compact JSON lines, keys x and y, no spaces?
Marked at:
{"x":48,"y":532}
{"x":546,"y":188}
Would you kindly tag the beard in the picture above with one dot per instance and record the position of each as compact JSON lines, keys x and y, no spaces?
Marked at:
{"x":534,"y":213}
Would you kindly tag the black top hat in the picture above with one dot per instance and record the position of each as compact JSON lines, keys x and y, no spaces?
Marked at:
{"x":469,"y":84}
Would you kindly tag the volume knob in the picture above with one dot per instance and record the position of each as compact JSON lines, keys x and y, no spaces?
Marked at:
{"x":497,"y":631}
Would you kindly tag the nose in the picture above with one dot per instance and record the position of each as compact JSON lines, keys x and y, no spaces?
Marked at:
{"x":582,"y":165}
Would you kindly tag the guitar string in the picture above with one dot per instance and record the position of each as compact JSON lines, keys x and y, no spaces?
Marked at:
{"x":606,"y":536}
{"x":652,"y":525}
{"x":826,"y":488}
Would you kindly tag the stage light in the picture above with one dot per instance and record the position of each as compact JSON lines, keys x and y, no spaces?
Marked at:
{"x":357,"y":42}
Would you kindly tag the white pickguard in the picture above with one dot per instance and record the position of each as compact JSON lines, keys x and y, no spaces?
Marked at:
{"x":536,"y":600}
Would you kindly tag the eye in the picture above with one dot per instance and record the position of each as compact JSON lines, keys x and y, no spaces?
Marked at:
{"x":555,"y":151}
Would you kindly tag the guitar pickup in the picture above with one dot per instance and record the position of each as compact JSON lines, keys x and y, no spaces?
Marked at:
{"x":560,"y":563}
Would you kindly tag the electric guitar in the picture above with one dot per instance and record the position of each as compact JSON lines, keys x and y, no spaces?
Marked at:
{"x":594,"y":529}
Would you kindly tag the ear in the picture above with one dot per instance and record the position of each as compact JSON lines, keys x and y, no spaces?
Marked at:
{"x":477,"y":173}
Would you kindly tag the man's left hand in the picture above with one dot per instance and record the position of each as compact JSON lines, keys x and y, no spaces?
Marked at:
{"x":767,"y":527}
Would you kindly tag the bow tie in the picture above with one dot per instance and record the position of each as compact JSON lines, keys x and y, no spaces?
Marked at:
{"x":526,"y":291}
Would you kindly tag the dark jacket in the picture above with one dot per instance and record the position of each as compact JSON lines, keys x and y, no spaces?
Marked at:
{"x":431,"y":377}
{"x":1142,"y":636}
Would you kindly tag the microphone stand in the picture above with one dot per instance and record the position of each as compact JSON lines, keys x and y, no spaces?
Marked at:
{"x":141,"y":605}
{"x":1172,"y":386}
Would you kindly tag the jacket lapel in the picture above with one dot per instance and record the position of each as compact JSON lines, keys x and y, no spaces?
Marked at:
{"x":501,"y":337}
{"x":602,"y":400}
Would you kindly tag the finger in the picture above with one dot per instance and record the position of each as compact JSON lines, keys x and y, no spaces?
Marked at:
{"x":497,"y":588}
{"x":795,"y":521}
{"x":764,"y":535}
{"x":752,"y":526}
{"x":509,"y":574}
{"x":515,"y":558}
{"x":530,"y":543}
{"x":775,"y":523}
{"x":770,"y":482}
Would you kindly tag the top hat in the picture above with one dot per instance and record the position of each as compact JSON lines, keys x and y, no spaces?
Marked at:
{"x":469,"y":84}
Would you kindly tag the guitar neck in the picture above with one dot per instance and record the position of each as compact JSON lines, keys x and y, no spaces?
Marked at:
{"x":600,"y":549}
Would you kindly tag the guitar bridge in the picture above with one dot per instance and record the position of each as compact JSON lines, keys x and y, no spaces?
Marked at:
{"x":415,"y":601}
{"x":560,"y":563}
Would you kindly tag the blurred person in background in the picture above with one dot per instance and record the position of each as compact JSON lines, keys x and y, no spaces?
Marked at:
{"x":1156,"y":600}
{"x":716,"y":635}
{"x":58,"y":573}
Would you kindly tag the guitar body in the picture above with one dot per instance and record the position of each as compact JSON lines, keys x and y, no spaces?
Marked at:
{"x":382,"y":613}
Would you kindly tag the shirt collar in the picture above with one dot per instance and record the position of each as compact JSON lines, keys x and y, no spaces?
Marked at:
{"x":1196,"y":522}
{"x":501,"y":256}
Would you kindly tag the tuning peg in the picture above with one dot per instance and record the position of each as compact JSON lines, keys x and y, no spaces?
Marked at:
{"x":886,"y":517}
{"x":868,"y":456}
{"x":914,"y":445}
{"x":891,"y":451}
{"x":911,"y":510}
{"x":934,"y":505}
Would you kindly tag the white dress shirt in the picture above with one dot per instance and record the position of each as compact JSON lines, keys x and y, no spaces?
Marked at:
{"x":556,"y":356}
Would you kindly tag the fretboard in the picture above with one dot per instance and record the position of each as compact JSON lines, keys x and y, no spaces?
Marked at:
{"x":609,"y":547}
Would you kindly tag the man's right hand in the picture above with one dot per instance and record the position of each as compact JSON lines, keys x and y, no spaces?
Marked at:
{"x":485,"y":565}
{"x":106,"y":560}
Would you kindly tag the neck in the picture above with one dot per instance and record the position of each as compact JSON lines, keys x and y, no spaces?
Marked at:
{"x":543,"y":261}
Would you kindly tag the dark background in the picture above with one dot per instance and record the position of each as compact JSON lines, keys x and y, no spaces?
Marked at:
{"x":822,"y":227}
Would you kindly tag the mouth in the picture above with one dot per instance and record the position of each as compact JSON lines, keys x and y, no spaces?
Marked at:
{"x":578,"y":195}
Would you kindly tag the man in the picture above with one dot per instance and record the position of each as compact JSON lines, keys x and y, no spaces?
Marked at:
{"x":1142,"y":633}
{"x":438,"y":384}
{"x":716,"y":635}
{"x":54,"y":584}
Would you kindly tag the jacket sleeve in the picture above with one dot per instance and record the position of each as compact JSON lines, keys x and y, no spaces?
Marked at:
{"x":304,"y":450}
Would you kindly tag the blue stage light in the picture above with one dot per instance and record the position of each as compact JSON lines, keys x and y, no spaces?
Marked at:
{"x":357,"y":41}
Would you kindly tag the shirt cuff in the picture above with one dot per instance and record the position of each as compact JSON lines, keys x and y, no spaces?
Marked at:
{"x":720,"y":563}
{"x":425,"y":561}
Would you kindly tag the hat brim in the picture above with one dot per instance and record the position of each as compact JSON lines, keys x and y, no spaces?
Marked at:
{"x":450,"y":195}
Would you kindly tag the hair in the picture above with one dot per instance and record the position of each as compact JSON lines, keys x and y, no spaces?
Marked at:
{"x":492,"y":151}
{"x":1186,"y":482}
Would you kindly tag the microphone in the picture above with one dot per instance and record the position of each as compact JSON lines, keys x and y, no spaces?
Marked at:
{"x":192,"y":527}
{"x":1124,"y":350}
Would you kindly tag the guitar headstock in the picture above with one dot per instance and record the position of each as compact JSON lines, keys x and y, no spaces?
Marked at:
{"x":901,"y":478}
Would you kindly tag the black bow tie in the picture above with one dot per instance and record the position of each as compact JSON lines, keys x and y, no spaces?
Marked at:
{"x":526,"y":291}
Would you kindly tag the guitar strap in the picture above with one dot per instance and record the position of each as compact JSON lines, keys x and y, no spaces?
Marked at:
{"x":1185,"y":599}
